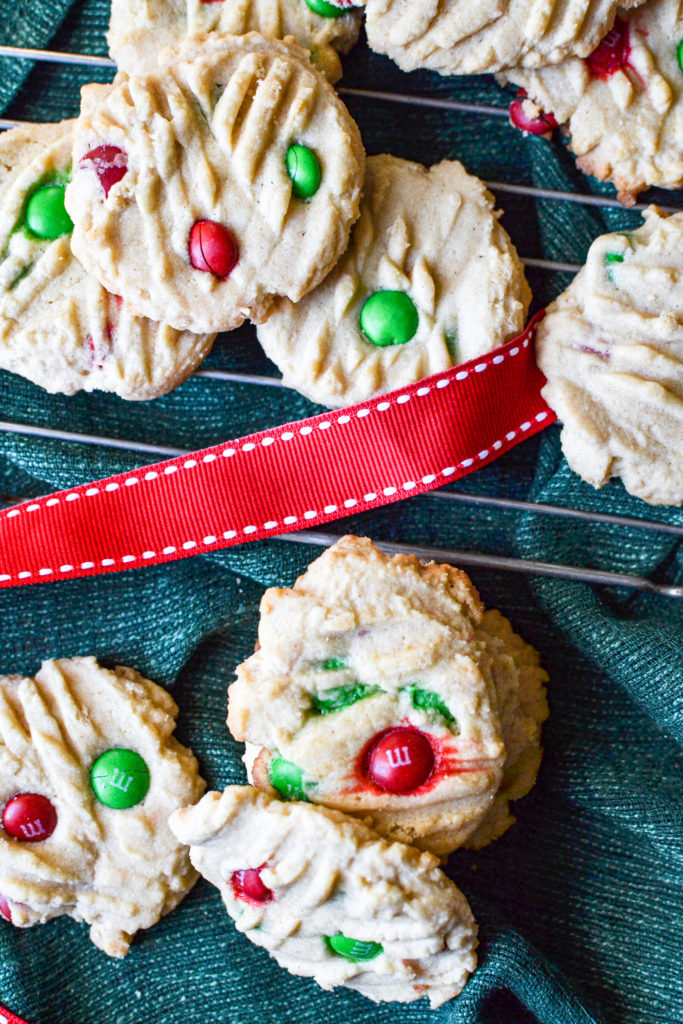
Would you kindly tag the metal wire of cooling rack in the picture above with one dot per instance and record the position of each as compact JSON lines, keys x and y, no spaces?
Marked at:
{"x":469,"y":558}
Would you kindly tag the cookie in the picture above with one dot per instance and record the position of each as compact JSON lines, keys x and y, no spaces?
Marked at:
{"x":89,"y":773}
{"x":205,"y":191}
{"x":429,"y":279}
{"x":329,"y":899}
{"x":611,"y":347}
{"x":381,"y":688}
{"x":466,"y":37}
{"x":623,"y":105}
{"x":58,"y":326}
{"x":139,"y":29}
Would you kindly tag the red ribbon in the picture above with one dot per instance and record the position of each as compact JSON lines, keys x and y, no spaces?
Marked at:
{"x":293,"y":476}
{"x":6,"y":1017}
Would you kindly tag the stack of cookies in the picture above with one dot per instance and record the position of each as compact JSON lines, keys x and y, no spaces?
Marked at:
{"x":393,"y":720}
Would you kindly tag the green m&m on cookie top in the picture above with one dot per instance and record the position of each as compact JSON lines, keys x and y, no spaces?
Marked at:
{"x":353,"y":949}
{"x":389,"y":318}
{"x":303,"y":167}
{"x":325,"y":9}
{"x":120,"y":779}
{"x":46,"y":215}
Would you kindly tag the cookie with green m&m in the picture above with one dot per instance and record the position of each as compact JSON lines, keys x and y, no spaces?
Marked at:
{"x":331,"y":900}
{"x":623,"y":103}
{"x":611,"y":347}
{"x":89,"y":773}
{"x":255,"y":179}
{"x":429,"y":279}
{"x":58,"y":326}
{"x":138,"y":32}
{"x":382,"y":688}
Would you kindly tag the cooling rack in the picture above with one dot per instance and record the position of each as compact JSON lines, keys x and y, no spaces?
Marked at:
{"x":569,"y":516}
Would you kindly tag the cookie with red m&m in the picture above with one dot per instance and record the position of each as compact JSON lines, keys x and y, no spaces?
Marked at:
{"x":89,"y":773}
{"x":139,"y":31}
{"x":229,"y":178}
{"x":429,"y":279}
{"x":611,"y":347}
{"x":380,"y":687}
{"x":457,"y":37}
{"x":622,"y":104}
{"x":331,"y":900}
{"x":58,"y":326}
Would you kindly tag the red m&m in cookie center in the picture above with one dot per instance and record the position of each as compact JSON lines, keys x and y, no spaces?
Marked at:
{"x":29,"y":817}
{"x":400,"y":760}
{"x":247,"y":886}
{"x":213,"y":249}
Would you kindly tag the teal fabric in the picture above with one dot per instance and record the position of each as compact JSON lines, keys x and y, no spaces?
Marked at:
{"x":581,"y":903}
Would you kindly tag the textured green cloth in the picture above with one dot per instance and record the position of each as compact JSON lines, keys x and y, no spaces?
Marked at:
{"x":581,"y":903}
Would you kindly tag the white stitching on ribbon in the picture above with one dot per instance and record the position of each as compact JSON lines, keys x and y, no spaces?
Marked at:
{"x":327,"y":510}
{"x":270,"y":438}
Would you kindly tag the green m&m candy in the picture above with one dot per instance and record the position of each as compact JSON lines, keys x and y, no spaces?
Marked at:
{"x":389,"y":318}
{"x":334,"y":665}
{"x":353,"y":949}
{"x":679,"y":54}
{"x":120,"y":779}
{"x":287,"y":779}
{"x":46,"y":215}
{"x":610,"y":259}
{"x":427,"y":700}
{"x":303,"y":167}
{"x":324,"y":9}
{"x":342,"y":697}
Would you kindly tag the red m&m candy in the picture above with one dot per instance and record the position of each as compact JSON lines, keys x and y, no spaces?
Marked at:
{"x":29,"y":817}
{"x":613,"y":53}
{"x":247,"y":886}
{"x":4,"y":909}
{"x":213,"y":248}
{"x":400,"y":760}
{"x":110,"y":164}
{"x":540,"y":125}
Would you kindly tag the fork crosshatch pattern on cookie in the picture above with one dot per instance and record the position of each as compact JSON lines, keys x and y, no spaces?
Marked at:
{"x":430,"y":279}
{"x":623,"y":104}
{"x":380,"y":687}
{"x":331,"y":900}
{"x":140,"y":29}
{"x":470,"y":36}
{"x":203,"y":224}
{"x":58,"y":325}
{"x":89,"y":773}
